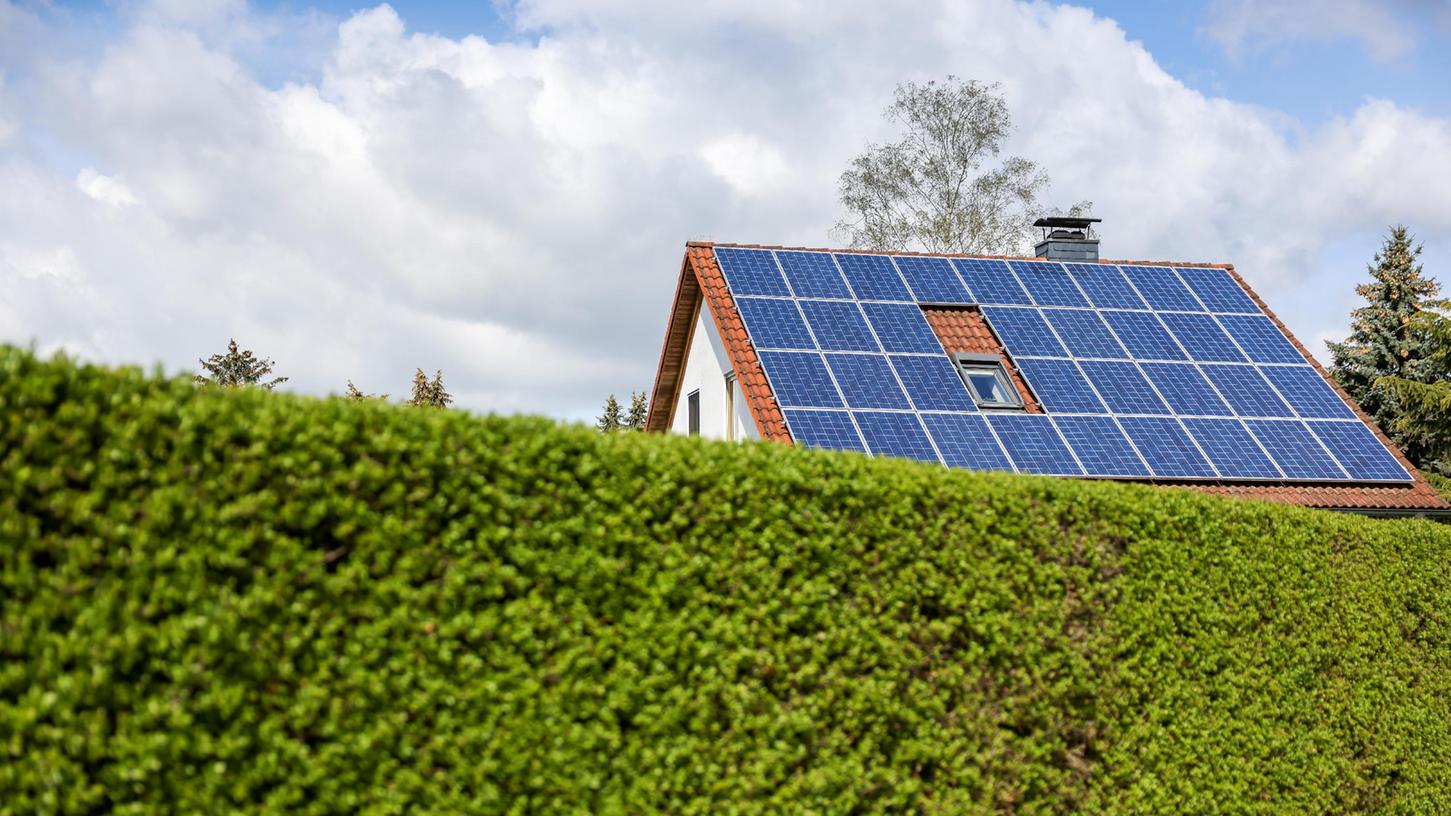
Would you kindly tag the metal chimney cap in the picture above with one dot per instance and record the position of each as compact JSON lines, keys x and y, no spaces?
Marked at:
{"x":1069,"y":221}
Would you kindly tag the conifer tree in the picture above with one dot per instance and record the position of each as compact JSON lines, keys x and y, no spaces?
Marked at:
{"x":429,"y":394}
{"x":1387,"y":340}
{"x":639,"y":411}
{"x":611,"y":419}
{"x":236,"y":369}
{"x":1426,"y":406}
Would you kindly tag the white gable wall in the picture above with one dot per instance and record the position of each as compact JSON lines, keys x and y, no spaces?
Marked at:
{"x":706,"y":366}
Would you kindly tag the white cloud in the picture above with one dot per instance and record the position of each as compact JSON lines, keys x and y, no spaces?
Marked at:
{"x":514,"y":212}
{"x":1379,"y":25}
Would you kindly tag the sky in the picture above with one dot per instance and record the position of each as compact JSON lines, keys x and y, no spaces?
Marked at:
{"x":503,"y":190}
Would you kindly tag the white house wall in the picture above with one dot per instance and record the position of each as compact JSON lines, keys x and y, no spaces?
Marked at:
{"x":706,"y":366}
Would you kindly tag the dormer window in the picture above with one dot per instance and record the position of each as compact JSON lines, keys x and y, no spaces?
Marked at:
{"x":987,"y":380}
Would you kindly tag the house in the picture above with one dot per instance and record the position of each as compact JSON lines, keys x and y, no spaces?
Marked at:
{"x":1062,"y":364}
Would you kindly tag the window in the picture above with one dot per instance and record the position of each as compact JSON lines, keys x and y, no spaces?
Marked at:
{"x":987,"y":380}
{"x":730,"y":411}
{"x":693,"y":401}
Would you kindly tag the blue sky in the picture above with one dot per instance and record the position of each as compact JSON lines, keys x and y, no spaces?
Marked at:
{"x":503,"y":191}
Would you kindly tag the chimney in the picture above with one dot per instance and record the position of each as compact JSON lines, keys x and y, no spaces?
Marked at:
{"x":1067,"y":238}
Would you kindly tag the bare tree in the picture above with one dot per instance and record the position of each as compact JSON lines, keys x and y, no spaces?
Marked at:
{"x":942,"y":187}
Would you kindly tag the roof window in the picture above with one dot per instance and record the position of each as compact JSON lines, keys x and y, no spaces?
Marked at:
{"x":987,"y":380}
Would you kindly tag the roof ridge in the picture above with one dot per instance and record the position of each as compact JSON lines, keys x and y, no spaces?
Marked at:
{"x":1110,"y":261}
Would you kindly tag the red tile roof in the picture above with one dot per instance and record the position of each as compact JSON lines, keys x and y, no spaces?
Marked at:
{"x":963,"y":330}
{"x":701,"y":279}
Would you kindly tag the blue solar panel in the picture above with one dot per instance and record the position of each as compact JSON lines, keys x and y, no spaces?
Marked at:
{"x":838,"y":325}
{"x":1359,"y":451}
{"x":774,"y":323}
{"x":902,"y":327}
{"x":1084,"y":333}
{"x":1105,"y":286}
{"x":1230,"y":447}
{"x":800,"y":379}
{"x":1167,"y":447}
{"x":1143,"y":335}
{"x":1162,"y":288}
{"x":824,"y":429}
{"x":1185,"y":389}
{"x":896,"y":435}
{"x":1034,"y":444}
{"x":1306,"y":392}
{"x":1101,"y":447}
{"x":1261,"y":339}
{"x":867,"y":381}
{"x":1202,"y":338}
{"x":1123,"y":387}
{"x":1047,"y":283}
{"x":966,"y":442}
{"x":1217,"y":290}
{"x":812,"y":274}
{"x":1296,"y":450}
{"x":932,"y":279}
{"x":873,"y":277}
{"x":751,"y":272}
{"x":1060,"y":387}
{"x":932,"y":383}
{"x":1246,"y":391}
{"x":1023,"y":331}
{"x":991,"y":281}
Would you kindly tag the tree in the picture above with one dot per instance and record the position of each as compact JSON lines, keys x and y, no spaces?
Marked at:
{"x":611,"y":419}
{"x":639,"y":411}
{"x":429,"y":394}
{"x":1388,"y":341}
{"x":1425,"y":407}
{"x":237,"y":369}
{"x":934,"y":189}
{"x":356,"y":395}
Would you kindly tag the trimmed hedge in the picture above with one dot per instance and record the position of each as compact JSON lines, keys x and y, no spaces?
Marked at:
{"x":249,"y":602}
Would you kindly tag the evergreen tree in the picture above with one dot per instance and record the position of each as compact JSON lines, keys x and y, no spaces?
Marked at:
{"x":1387,"y":342}
{"x":1426,"y":406}
{"x":236,"y":369}
{"x":639,"y":411}
{"x":611,"y":419}
{"x":429,"y":394}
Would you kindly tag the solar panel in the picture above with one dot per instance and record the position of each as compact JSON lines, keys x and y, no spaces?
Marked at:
{"x":932,"y":383}
{"x":832,"y":430}
{"x":1231,"y":449}
{"x":1034,"y":445}
{"x":1359,"y":451}
{"x":1185,"y":389}
{"x":902,"y":327}
{"x":1100,"y":446}
{"x":1305,"y":391}
{"x":966,"y":442}
{"x":873,"y":277}
{"x":838,"y":326}
{"x":1246,"y":391}
{"x":751,"y":272}
{"x":867,"y":381}
{"x":991,"y":281}
{"x":812,"y":274}
{"x":1084,"y":333}
{"x":1261,"y":339}
{"x":1167,"y":448}
{"x":1161,"y":288}
{"x":1298,"y":453}
{"x":1143,"y":335}
{"x":1202,"y":338}
{"x":932,"y":279}
{"x":1123,"y":387}
{"x":1060,"y":386}
{"x":1217,"y":290}
{"x":800,"y":379}
{"x":774,"y":323}
{"x":893,"y":434}
{"x":1047,"y":283}
{"x":1105,"y":286}
{"x":1023,"y":331}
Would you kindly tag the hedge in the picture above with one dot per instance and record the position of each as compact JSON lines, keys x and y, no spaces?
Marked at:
{"x":220,"y":602}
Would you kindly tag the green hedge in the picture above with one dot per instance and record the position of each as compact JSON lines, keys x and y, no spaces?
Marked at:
{"x":250,"y":602}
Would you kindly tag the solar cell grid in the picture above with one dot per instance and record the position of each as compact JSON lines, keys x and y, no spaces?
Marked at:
{"x":1306,"y":392}
{"x":1034,"y":445}
{"x":901,"y":327}
{"x":812,"y":274}
{"x":1261,"y":339}
{"x":867,"y":381}
{"x":1231,"y":449}
{"x":932,"y":383}
{"x":1060,"y":387}
{"x":1161,"y":288}
{"x":1359,"y":451}
{"x":1296,"y":450}
{"x":893,"y":434}
{"x":1047,"y":283}
{"x":838,"y":326}
{"x":965,"y":442}
{"x":932,"y":280}
{"x":751,"y":272}
{"x":1167,"y":448}
{"x":774,"y":323}
{"x":1246,"y":391}
{"x":1105,"y":286}
{"x":1185,"y":389}
{"x":991,"y":281}
{"x":1123,"y":387}
{"x":1202,"y":338}
{"x":1023,"y":331}
{"x":1143,"y":335}
{"x":799,"y":379}
{"x":873,"y":277}
{"x":1084,"y":334}
{"x":1217,"y":290}
{"x":832,"y":430}
{"x":1102,"y":448}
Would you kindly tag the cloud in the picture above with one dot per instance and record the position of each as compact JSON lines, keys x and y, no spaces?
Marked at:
{"x":514,"y":212}
{"x":1381,"y":27}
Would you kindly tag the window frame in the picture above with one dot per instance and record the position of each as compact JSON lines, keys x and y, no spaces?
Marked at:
{"x":967,"y":363}
{"x":692,"y":408}
{"x":730,"y":411}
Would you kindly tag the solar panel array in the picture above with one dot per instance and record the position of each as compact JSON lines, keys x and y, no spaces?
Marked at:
{"x":1143,"y":372}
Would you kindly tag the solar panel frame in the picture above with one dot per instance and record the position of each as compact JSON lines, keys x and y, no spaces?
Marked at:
{"x":1201,"y":336}
{"x":1023,"y":331}
{"x":966,"y":441}
{"x":899,"y":434}
{"x":812,"y":274}
{"x":1161,"y":289}
{"x":1105,"y":286}
{"x":1048,"y":283}
{"x":1084,"y":334}
{"x":751,"y":272}
{"x":872,"y":277}
{"x":1185,"y":389}
{"x":1034,"y":444}
{"x":825,"y":429}
{"x":838,"y":325}
{"x":1143,"y":335}
{"x":1358,"y":450}
{"x":867,"y":381}
{"x":800,"y":379}
{"x":932,"y":280}
{"x":1261,"y":340}
{"x":1101,"y":446}
{"x":1306,"y":392}
{"x":992,"y":282}
{"x":1296,"y":450}
{"x":1167,"y":447}
{"x":1060,"y":386}
{"x":1248,"y":393}
{"x":902,"y":328}
{"x":774,"y":323}
{"x":932,"y":383}
{"x":1231,"y":448}
{"x":1217,"y":290}
{"x":1123,"y":387}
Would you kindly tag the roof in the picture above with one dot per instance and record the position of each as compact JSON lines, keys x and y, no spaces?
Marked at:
{"x":959,"y":321}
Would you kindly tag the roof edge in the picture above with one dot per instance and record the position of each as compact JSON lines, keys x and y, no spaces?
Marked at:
{"x":1109,"y":261}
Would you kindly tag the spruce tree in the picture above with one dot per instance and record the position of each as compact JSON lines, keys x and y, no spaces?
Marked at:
{"x":1426,"y":406}
{"x":611,"y":419}
{"x":639,"y":411}
{"x":236,"y":369}
{"x":1387,"y":340}
{"x":428,"y":394}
